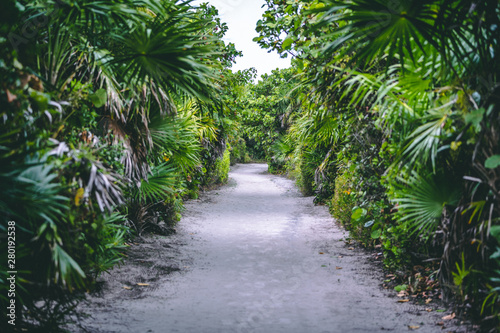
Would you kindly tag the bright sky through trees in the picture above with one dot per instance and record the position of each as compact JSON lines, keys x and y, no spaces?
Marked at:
{"x":241,"y":17}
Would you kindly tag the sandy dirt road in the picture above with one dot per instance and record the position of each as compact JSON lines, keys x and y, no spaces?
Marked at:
{"x":253,"y":256}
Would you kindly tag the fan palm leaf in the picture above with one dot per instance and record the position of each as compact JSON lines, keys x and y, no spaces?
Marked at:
{"x":168,"y":50}
{"x":159,"y":184}
{"x":376,"y":28}
{"x":424,"y":141}
{"x":421,"y":200}
{"x":176,"y":136}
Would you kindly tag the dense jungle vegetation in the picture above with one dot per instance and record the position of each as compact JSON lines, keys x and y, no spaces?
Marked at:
{"x":115,"y":112}
{"x":390,"y":116}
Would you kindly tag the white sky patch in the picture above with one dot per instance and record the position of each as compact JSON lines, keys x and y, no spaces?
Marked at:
{"x":241,"y":17}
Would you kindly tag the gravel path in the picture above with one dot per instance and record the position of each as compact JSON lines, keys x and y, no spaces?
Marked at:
{"x":253,"y":256}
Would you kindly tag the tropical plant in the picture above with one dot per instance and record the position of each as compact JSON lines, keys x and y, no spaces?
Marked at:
{"x":405,"y":92}
{"x":106,"y":107}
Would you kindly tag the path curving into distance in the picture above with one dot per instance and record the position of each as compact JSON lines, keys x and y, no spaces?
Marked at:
{"x":253,"y":256}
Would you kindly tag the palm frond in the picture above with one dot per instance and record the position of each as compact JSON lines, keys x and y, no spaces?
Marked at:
{"x":378,"y":27}
{"x":66,"y":269}
{"x":34,"y":194}
{"x":159,"y":184}
{"x":421,"y":200}
{"x":167,"y":50}
{"x":174,"y":138}
{"x":424,"y":141}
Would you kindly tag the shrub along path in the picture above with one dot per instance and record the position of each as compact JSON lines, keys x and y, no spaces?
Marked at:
{"x":253,"y":256}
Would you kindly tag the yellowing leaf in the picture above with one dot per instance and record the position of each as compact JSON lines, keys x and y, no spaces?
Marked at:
{"x":143,"y":284}
{"x":455,"y":145}
{"x":403,"y":300}
{"x":79,"y":196}
{"x":413,"y":327}
{"x":126,"y":287}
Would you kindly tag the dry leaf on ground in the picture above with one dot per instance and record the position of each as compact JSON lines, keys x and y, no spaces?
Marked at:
{"x":449,"y":317}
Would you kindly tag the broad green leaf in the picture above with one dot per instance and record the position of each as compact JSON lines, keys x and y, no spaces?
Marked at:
{"x":317,"y":6}
{"x":376,"y":234}
{"x":474,"y":117}
{"x":496,"y":254}
{"x":41,"y":99}
{"x":358,"y":214}
{"x":99,"y":98}
{"x":492,"y":162}
{"x":287,"y":43}
{"x":400,"y":287}
{"x":495,"y":231}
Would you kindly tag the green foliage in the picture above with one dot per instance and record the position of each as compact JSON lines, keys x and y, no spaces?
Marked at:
{"x":222,"y":167}
{"x":344,"y":198}
{"x":400,"y":287}
{"x":108,"y":108}
{"x":239,"y":153}
{"x":159,"y":184}
{"x":265,"y":117}
{"x":404,"y":94}
{"x":305,"y":176}
{"x":421,"y":202}
{"x":460,"y":276}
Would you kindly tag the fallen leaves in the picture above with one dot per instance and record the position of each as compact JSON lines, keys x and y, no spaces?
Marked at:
{"x":337,"y":267}
{"x":449,"y":317}
{"x":413,"y":327}
{"x":138,"y":283}
{"x":403,"y":300}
